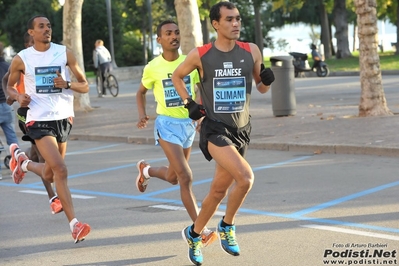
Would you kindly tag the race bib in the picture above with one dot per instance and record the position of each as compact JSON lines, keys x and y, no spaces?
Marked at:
{"x":44,"y":79}
{"x":172,"y":98}
{"x":229,"y":94}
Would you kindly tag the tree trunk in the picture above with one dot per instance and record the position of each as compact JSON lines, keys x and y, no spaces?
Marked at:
{"x":72,"y":39}
{"x":189,"y":24}
{"x":325,"y":30}
{"x":258,"y":28}
{"x":372,"y":99}
{"x":341,"y":29}
{"x":205,"y":30}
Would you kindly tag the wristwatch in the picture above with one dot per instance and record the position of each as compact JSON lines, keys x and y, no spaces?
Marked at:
{"x":187,"y":101}
{"x":68,"y":85}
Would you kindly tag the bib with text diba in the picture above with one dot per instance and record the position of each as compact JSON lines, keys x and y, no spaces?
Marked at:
{"x":44,"y":78}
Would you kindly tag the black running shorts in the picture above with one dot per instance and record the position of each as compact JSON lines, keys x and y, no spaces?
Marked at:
{"x":22,"y":113}
{"x":222,"y":135}
{"x":59,"y":129}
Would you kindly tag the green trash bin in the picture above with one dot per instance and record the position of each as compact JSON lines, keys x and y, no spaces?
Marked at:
{"x":283,"y":88}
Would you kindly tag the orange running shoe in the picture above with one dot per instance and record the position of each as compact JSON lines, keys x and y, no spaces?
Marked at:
{"x":13,"y":162}
{"x":80,"y":231}
{"x":141,"y":180}
{"x":56,"y":206}
{"x":16,"y":154}
{"x":208,"y":237}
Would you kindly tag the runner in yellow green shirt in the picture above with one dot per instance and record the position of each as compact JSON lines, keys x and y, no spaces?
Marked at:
{"x":174,"y":131}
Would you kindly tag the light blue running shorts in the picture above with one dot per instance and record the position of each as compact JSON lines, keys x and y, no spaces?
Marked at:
{"x":180,"y":131}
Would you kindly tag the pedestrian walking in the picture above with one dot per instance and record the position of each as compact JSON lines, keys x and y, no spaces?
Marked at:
{"x":102,"y":59}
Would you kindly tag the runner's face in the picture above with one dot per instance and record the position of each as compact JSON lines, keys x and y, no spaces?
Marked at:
{"x":229,"y":25}
{"x":170,"y":37}
{"x":41,"y":30}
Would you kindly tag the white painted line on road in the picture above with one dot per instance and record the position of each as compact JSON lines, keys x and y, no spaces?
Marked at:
{"x":350,"y":231}
{"x":177,"y":208}
{"x":75,"y":196}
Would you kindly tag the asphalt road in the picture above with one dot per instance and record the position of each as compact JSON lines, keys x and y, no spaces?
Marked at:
{"x":304,"y":209}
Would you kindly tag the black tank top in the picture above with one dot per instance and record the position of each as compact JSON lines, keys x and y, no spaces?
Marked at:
{"x":227,"y":80}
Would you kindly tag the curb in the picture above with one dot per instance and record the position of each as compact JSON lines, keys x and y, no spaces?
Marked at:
{"x":327,"y":148}
{"x":293,"y":147}
{"x":348,"y":73}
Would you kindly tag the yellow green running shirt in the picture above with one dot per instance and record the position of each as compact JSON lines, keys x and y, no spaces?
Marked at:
{"x":157,"y":75}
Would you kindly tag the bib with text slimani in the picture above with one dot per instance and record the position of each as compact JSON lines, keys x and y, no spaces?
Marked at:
{"x":229,"y":94}
{"x":44,"y":79}
{"x":172,"y":98}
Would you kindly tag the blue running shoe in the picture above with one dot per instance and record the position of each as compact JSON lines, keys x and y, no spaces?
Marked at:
{"x":194,"y":246}
{"x":227,"y":237}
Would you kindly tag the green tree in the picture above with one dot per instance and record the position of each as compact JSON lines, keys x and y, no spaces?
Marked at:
{"x":204,"y":6}
{"x":340,"y":13}
{"x":15,"y":23}
{"x":255,"y":29}
{"x":390,"y":10}
{"x":95,"y":26}
{"x":138,"y":19}
{"x":311,"y":12}
{"x":5,"y":6}
{"x":323,"y":13}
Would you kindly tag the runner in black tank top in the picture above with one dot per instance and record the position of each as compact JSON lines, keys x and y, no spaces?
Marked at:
{"x":227,"y":67}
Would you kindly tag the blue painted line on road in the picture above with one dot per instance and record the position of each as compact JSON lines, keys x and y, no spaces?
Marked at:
{"x":349,"y":224}
{"x":300,"y":215}
{"x":93,"y":149}
{"x":343,"y":199}
{"x":125,"y":196}
{"x":281,"y":163}
{"x":146,"y":197}
{"x":316,"y":220}
{"x":107,"y":169}
{"x":174,"y":188}
{"x":95,"y":172}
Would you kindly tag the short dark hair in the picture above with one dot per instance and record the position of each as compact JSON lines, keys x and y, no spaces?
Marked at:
{"x":30,"y":21}
{"x":165,"y":22}
{"x":214,"y":13}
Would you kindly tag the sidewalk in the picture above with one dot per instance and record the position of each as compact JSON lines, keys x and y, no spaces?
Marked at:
{"x":324,"y":122}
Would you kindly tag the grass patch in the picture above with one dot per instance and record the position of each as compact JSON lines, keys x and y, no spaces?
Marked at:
{"x":388,"y":61}
{"x":90,"y":74}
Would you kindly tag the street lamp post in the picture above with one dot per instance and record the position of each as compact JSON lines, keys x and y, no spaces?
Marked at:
{"x":111,"y":37}
{"x":149,"y":10}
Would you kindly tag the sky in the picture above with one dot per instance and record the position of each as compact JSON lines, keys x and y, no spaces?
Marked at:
{"x":298,"y":37}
